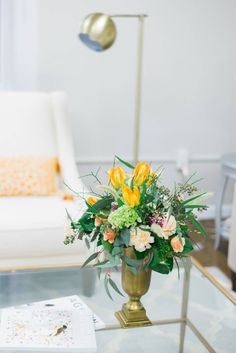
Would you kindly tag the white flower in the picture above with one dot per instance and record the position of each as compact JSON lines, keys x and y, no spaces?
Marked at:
{"x":140,"y":239}
{"x":168,"y":228}
{"x":155,"y":228}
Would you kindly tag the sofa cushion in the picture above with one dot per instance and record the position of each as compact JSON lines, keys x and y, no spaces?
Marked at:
{"x":34,"y":227}
{"x":34,"y":212}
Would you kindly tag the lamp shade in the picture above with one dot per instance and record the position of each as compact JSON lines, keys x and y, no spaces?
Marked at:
{"x":98,"y":31}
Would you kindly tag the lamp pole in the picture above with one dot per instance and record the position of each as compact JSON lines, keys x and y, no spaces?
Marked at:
{"x":98,"y":32}
{"x":138,"y":83}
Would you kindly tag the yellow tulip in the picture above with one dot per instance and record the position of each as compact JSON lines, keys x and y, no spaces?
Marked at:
{"x":141,"y":172}
{"x":131,"y":197}
{"x":116,"y":177}
{"x":92,"y":200}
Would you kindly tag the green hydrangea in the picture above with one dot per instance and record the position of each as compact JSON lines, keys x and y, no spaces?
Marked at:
{"x":124,"y":217}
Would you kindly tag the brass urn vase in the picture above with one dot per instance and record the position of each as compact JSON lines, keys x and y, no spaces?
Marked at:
{"x":133,"y":313}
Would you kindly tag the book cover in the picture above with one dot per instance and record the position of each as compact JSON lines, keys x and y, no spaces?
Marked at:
{"x":47,"y":330}
{"x":69,"y":302}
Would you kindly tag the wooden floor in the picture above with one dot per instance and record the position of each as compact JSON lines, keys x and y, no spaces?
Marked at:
{"x":207,"y":255}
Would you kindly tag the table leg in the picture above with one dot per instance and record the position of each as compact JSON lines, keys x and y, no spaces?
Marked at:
{"x":185,"y":297}
{"x":218,"y":211}
{"x":233,"y":276}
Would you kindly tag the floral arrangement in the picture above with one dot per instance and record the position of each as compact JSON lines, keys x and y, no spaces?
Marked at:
{"x":136,"y":210}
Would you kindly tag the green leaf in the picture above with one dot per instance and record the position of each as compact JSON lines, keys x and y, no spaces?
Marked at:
{"x":125,"y":235}
{"x":69,"y":216}
{"x":188,"y":247}
{"x":107,"y":246}
{"x":132,"y":184}
{"x":125,"y":163}
{"x":116,"y":250}
{"x":100,"y":264}
{"x":94,"y":236}
{"x":156,"y":258}
{"x":101,"y":204}
{"x":87,"y":243}
{"x":133,"y":269}
{"x":140,"y":255}
{"x":110,"y":262}
{"x":87,"y":222}
{"x":106,"y":287}
{"x":91,"y":258}
{"x":106,"y":264}
{"x":132,"y":262}
{"x":118,"y":241}
{"x":99,"y":242}
{"x":120,"y":202}
{"x":114,"y":286}
{"x":179,"y":230}
{"x":184,"y":228}
{"x":197,"y":224}
{"x":193,"y":198}
{"x":90,"y":207}
{"x":161,"y":268}
{"x":196,"y":206}
{"x":159,"y":265}
{"x":170,"y":263}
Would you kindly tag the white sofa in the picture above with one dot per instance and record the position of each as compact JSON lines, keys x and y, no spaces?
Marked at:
{"x":32,"y":228}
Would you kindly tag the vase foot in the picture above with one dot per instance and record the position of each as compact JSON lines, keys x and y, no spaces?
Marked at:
{"x":132,"y":318}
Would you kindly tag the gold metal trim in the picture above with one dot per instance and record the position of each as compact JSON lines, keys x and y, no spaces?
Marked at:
{"x":223,"y":290}
{"x":214,"y":281}
{"x":154,"y":323}
{"x":201,"y":338}
{"x":41,"y":267}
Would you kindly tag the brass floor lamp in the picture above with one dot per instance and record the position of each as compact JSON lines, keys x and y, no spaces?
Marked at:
{"x":98,"y":32}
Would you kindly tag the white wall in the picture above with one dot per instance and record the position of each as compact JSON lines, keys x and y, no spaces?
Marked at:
{"x":189,"y":78}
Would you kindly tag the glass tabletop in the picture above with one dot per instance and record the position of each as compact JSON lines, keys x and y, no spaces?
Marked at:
{"x":210,"y":319}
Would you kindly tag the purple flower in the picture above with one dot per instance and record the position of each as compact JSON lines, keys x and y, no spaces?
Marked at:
{"x":114,"y":206}
{"x":151,"y":219}
{"x":155,"y":219}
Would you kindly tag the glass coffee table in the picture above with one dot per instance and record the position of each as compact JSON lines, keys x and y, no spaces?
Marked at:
{"x":193,"y":314}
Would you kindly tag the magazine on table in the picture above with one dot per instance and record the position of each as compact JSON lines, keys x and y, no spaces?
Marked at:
{"x":70,"y":302}
{"x":45,"y":329}
{"x":61,"y":324}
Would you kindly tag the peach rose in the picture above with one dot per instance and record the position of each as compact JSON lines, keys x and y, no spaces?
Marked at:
{"x":99,"y":220}
{"x":109,"y":235}
{"x":177,"y":244}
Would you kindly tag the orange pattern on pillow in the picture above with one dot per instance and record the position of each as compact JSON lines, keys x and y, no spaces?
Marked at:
{"x":21,"y":176}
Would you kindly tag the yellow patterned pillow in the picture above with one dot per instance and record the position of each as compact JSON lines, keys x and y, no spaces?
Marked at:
{"x":28,"y":176}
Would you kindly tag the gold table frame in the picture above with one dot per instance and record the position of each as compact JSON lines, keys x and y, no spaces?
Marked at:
{"x":184,"y":321}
